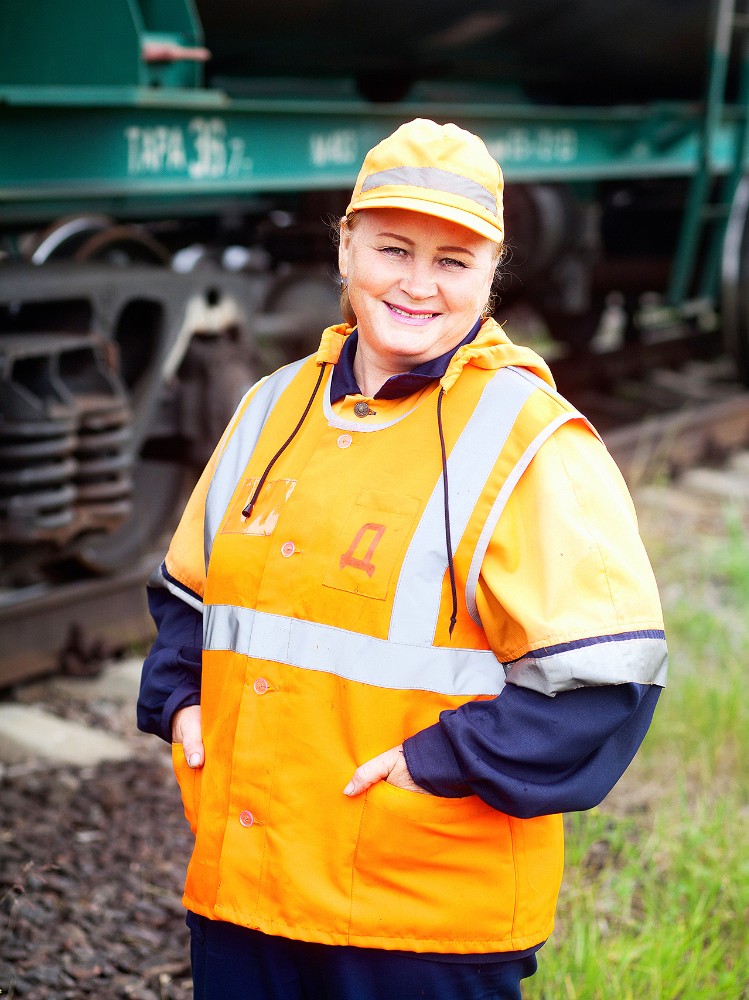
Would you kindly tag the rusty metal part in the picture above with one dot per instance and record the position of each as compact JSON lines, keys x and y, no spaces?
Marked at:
{"x":138,"y":317}
{"x":60,"y":405}
{"x":49,"y":628}
{"x":123,"y":244}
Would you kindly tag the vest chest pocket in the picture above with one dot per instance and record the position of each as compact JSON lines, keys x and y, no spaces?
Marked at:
{"x":371,"y":543}
{"x":266,"y":511}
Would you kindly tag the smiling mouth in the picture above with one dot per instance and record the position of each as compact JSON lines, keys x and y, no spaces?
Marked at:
{"x":411,"y":313}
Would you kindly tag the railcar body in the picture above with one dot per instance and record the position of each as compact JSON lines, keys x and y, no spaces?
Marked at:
{"x":166,"y":170}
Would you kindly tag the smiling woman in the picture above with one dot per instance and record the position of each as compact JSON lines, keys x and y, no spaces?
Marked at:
{"x":405,"y":622}
{"x":416,"y":284}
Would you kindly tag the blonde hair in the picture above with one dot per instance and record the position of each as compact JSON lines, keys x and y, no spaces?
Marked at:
{"x":344,"y":301}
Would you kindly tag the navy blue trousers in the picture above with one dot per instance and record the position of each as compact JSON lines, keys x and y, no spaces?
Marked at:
{"x":234,"y":963}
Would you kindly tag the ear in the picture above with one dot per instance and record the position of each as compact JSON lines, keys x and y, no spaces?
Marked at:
{"x":343,"y":249}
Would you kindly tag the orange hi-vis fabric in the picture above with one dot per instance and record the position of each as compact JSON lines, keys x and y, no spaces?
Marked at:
{"x":326,"y":641}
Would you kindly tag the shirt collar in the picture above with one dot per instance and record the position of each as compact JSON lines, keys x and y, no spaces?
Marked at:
{"x":343,"y":382}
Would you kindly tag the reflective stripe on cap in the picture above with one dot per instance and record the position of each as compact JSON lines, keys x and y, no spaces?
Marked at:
{"x":434,"y":179}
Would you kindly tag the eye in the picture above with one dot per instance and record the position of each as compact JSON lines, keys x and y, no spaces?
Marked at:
{"x":452,"y":263}
{"x":393,"y":251}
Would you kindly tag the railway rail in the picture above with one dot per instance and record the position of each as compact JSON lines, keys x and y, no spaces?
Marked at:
{"x":657,"y":421}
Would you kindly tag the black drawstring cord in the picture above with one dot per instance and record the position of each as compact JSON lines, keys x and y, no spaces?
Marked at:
{"x":261,"y":482}
{"x":448,"y":540}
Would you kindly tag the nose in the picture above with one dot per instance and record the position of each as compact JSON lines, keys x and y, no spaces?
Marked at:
{"x":418,"y":281}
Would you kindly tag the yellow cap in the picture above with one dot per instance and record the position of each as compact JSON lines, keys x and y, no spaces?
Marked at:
{"x":441,"y":170}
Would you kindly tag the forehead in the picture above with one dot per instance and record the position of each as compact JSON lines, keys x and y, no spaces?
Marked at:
{"x":417,"y":227}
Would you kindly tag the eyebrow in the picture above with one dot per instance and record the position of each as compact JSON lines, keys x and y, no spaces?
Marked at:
{"x":445,"y":249}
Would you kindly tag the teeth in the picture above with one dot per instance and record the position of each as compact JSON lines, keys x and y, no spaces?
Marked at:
{"x":403,"y":312}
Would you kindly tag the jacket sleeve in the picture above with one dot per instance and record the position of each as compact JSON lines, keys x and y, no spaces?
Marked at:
{"x":529,"y":755}
{"x":570,"y":607}
{"x":172,"y":670}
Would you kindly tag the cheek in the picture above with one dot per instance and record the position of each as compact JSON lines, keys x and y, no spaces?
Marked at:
{"x":475,"y":297}
{"x":359,"y":301}
{"x":368,"y":275}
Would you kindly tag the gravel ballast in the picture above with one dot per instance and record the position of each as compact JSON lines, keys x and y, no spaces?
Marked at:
{"x":92,"y":860}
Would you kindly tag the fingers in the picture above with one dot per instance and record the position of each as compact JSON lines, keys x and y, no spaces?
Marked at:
{"x":373,"y":771}
{"x":187,"y":729}
{"x":400,"y":777}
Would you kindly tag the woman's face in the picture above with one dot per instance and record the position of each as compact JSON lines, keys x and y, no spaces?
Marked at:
{"x":417,"y":284}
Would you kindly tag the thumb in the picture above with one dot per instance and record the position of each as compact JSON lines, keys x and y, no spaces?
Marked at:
{"x":194,"y":752}
{"x":188,"y":730}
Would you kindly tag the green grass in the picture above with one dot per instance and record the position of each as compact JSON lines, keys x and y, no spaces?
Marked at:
{"x":655,"y":902}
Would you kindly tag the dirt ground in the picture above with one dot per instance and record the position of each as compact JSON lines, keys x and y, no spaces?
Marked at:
{"x":92,"y":862}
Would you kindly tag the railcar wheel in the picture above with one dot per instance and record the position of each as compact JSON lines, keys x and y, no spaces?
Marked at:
{"x":735,"y":282}
{"x":159,"y":494}
{"x":123,"y":245}
{"x":159,"y":487}
{"x":298,"y":306}
{"x":61,"y":240}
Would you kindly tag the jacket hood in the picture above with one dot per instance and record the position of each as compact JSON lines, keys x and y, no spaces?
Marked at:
{"x":491,"y":349}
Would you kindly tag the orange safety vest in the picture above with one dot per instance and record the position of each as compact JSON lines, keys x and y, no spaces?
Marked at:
{"x":326,"y":642}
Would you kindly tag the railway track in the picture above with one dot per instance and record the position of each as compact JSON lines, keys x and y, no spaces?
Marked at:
{"x":658,"y":418}
{"x":73,"y":627}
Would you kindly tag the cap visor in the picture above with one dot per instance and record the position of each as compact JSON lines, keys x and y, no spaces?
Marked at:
{"x":491,"y":231}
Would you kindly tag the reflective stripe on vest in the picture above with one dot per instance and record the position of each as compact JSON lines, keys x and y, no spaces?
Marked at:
{"x":240,"y":446}
{"x":352,"y":655}
{"x":509,"y":485}
{"x":639,"y":658}
{"x":499,"y":505}
{"x":419,"y":589}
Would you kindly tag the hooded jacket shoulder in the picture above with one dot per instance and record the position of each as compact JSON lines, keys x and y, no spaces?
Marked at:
{"x":492,"y":349}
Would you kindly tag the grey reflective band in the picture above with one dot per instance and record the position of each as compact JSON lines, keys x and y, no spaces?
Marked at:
{"x":498,"y":508}
{"x":509,"y":485}
{"x":612,"y":661}
{"x":157,"y":581}
{"x":435,"y":179}
{"x":440,"y":669}
{"x":241,"y":444}
{"x":351,"y":655}
{"x":536,"y":380}
{"x":419,"y":590}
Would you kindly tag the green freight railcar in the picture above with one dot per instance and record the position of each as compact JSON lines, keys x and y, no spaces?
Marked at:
{"x":165,"y":170}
